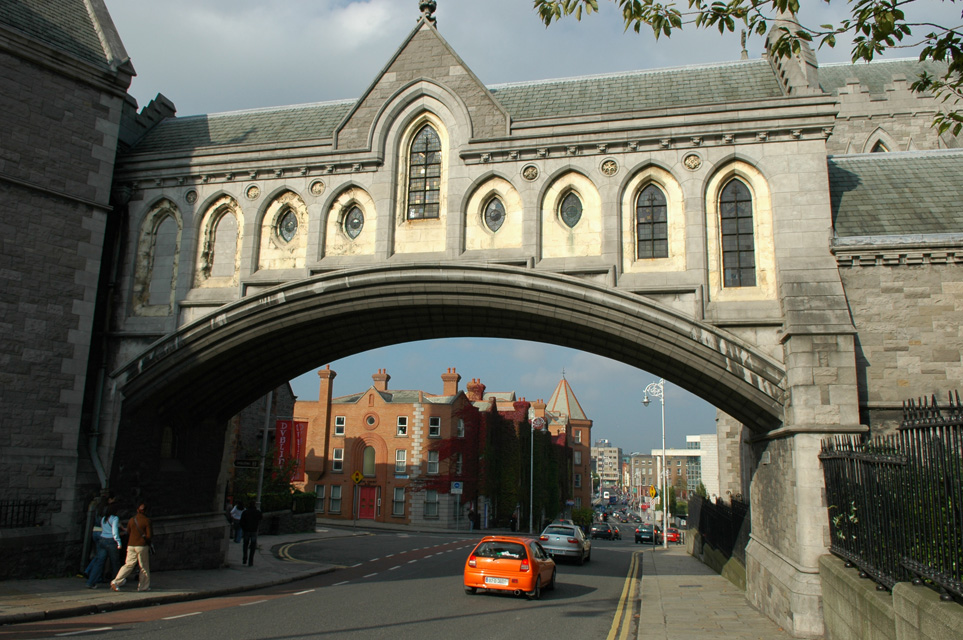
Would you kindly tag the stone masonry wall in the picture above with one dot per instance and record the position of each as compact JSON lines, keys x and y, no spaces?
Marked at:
{"x":57,"y":144}
{"x":910,"y":340}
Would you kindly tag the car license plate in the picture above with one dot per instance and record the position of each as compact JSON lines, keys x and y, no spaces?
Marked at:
{"x":490,"y":580}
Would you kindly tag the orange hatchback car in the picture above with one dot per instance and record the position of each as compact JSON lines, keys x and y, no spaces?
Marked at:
{"x":507,"y":563}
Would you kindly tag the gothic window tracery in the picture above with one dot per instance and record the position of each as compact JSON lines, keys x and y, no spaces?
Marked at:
{"x":738,"y":240}
{"x":424,"y":175}
{"x":652,"y":229}
{"x":570,"y":210}
{"x":494,"y":214}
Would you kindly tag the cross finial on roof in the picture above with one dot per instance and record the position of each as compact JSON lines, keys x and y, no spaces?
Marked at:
{"x":428,"y":9}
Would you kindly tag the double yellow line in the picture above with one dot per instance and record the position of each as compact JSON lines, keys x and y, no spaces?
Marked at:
{"x":623,"y":613}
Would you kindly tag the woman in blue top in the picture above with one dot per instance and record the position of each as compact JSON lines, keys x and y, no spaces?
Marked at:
{"x":108,"y":544}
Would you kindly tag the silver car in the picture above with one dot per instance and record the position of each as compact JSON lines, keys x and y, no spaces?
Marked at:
{"x":566,"y":540}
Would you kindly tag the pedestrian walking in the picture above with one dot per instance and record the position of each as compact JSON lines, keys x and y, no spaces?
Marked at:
{"x":236,"y":517}
{"x":138,"y":551}
{"x":108,"y":546}
{"x":249,"y":524}
{"x":471,"y":518}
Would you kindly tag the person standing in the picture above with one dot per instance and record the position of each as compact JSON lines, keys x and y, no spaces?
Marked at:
{"x":249,"y":524}
{"x":236,"y":517}
{"x":108,"y":545}
{"x":138,"y":551}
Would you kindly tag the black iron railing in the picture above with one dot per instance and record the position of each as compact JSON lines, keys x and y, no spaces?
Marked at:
{"x":724,"y":527}
{"x":19,"y":513}
{"x":896,"y":502}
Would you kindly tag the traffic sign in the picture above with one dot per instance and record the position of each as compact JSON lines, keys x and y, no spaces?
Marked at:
{"x":652,"y":492}
{"x":456,"y":488}
{"x":357,"y":477}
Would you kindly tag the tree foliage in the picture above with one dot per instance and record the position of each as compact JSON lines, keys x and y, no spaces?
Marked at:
{"x":873,"y":26}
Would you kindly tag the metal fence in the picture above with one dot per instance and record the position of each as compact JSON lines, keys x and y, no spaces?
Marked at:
{"x":19,"y":513}
{"x":896,"y":502}
{"x":724,"y":527}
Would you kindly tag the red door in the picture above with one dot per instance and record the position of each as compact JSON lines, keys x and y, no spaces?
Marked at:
{"x":366,"y":503}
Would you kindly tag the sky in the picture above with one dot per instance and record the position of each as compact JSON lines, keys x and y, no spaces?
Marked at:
{"x":211,"y":56}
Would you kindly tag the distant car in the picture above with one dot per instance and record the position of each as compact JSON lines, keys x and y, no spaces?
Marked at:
{"x":507,"y":563}
{"x":648,"y":534}
{"x":604,"y":530}
{"x":672,"y":535}
{"x":566,"y":540}
{"x":634,"y":518}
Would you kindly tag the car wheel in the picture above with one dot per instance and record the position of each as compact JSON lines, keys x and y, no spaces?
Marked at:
{"x":537,"y":592}
{"x":589,"y":556}
{"x":551,"y":583}
{"x":470,"y":590}
{"x":581,"y":559}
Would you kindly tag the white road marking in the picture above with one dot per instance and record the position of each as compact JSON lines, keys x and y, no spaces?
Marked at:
{"x":247,"y":604}
{"x":371,"y":574}
{"x":183,"y":615}
{"x":301,"y":593}
{"x":77,"y":633}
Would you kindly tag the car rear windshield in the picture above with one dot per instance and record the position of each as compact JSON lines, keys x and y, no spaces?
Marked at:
{"x":561,"y":531}
{"x":500,"y":550}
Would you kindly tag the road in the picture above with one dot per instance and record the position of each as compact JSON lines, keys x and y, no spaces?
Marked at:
{"x":392,"y":585}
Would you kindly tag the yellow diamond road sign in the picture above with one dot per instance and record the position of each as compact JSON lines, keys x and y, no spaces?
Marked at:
{"x":652,"y":492}
{"x":357,"y":477}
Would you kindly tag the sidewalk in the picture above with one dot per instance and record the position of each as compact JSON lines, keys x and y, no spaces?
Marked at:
{"x":34,"y":600}
{"x":683,"y":598}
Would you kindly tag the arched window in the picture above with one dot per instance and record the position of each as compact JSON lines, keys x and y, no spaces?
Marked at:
{"x":224,"y":256}
{"x":571,"y":209}
{"x":738,"y":244}
{"x":368,"y":465}
{"x":287,"y":225}
{"x":494,"y":214}
{"x":424,"y":175}
{"x":652,"y":229}
{"x":353,"y":222}
{"x":163,"y":255}
{"x":879,"y":147}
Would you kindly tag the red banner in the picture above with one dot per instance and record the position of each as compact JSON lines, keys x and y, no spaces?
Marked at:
{"x":282,"y":441}
{"x":300,"y":433}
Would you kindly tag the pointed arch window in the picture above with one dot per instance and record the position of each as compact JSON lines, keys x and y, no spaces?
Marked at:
{"x":163,"y":258}
{"x":494,"y":214}
{"x":879,"y":147}
{"x":354,"y":222}
{"x":424,"y":175}
{"x":571,"y":210}
{"x":738,"y":241}
{"x":651,"y":224}
{"x":224,"y":256}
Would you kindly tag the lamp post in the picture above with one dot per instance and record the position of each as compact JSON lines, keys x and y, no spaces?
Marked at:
{"x":537,"y":423}
{"x":657,"y":389}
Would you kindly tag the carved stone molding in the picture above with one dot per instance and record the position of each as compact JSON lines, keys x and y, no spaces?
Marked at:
{"x":317,"y":187}
{"x":610,"y":167}
{"x":530,"y":172}
{"x":191,"y":196}
{"x":692,"y":162}
{"x":253,"y":192}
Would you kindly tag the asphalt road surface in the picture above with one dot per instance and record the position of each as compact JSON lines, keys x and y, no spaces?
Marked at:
{"x":392,"y":585}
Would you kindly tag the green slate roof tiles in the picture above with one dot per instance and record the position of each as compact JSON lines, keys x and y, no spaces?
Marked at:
{"x":874,"y":76}
{"x":897,"y":193}
{"x":639,"y":90}
{"x":263,"y":126}
{"x":65,"y":26}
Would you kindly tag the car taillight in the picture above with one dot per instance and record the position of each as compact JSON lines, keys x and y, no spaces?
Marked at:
{"x":471,"y":561}
{"x":524,"y":566}
{"x":573,"y":540}
{"x":543,"y":537}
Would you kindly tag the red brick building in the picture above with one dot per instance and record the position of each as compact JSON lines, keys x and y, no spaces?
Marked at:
{"x":400,"y":456}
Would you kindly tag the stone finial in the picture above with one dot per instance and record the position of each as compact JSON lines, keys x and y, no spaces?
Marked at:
{"x":427,"y":8}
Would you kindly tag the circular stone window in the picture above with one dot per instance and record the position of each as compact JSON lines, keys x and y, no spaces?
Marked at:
{"x":354,"y":222}
{"x":288,"y":225}
{"x":371,"y":421}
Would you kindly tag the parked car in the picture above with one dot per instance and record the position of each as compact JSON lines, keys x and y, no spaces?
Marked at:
{"x":507,"y":563}
{"x":567,"y":541}
{"x":648,"y":534}
{"x":672,"y":535}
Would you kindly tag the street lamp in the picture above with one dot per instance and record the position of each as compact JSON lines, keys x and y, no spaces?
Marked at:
{"x":657,"y":389}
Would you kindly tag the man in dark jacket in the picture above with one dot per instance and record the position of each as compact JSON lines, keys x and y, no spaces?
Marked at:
{"x":250,"y":521}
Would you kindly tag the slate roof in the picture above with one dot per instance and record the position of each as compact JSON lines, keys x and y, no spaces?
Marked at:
{"x":874,"y":75}
{"x":60,"y":24}
{"x":656,"y":89}
{"x":260,"y":126}
{"x":880,"y":194}
{"x":612,"y":93}
{"x":397,"y":397}
{"x":563,"y":404}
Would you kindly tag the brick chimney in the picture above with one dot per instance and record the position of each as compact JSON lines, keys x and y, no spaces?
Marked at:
{"x":450,"y":380}
{"x":324,"y":389}
{"x":381,"y":380}
{"x":316,"y":439}
{"x":476,"y":390}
